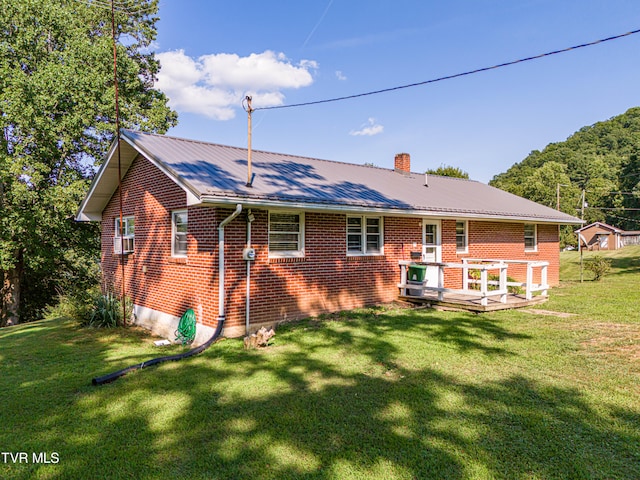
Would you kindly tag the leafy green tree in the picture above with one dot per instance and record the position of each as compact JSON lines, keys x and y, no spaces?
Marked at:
{"x":448,"y":171}
{"x":602,"y":159}
{"x":57,"y":119}
{"x":630,"y":185}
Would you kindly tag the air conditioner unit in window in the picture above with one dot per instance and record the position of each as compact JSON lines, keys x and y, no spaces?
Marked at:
{"x":123,"y":245}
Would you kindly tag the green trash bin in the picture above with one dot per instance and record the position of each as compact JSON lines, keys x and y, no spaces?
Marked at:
{"x":416,"y":276}
{"x":417,"y":273}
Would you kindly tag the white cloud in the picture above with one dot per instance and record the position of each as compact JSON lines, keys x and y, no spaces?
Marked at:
{"x":214,"y":85}
{"x":368,"y":129}
{"x":340,"y":75}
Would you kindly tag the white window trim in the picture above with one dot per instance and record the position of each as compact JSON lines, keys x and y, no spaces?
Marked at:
{"x":535,"y":238}
{"x":466,"y":236}
{"x":127,"y":242}
{"x":173,"y":233}
{"x":300,"y":252}
{"x":125,"y":221}
{"x":363,"y":238}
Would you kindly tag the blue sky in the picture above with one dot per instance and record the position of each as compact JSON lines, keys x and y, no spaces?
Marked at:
{"x":213,"y":53}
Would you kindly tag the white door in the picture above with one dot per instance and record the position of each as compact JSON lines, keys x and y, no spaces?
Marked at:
{"x":431,"y":249}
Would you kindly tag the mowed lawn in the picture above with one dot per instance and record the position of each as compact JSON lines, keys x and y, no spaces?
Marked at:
{"x":381,"y":393}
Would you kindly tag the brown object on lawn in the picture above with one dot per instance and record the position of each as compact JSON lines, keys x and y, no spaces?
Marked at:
{"x":259,"y":339}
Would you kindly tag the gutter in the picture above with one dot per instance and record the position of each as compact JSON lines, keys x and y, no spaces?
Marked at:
{"x":396,"y":212}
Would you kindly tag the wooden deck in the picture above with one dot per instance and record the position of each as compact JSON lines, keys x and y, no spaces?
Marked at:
{"x":459,"y":302}
{"x":483,"y":294}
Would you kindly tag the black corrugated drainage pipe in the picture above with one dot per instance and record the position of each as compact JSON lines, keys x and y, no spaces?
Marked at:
{"x":190,"y":353}
{"x":194,"y":351}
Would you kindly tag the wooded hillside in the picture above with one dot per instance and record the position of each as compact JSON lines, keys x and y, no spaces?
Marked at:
{"x":603,"y":159}
{"x":57,"y":92}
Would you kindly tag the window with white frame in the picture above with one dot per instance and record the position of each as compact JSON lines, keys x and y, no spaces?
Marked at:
{"x":179,"y":223}
{"x":530,"y":237}
{"x":364,"y":235}
{"x":124,"y":243}
{"x":462,"y":242}
{"x":286,"y":234}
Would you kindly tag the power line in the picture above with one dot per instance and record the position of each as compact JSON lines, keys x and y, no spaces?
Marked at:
{"x":124,"y":6}
{"x":633,"y":220}
{"x":449,"y":77}
{"x":602,"y":194}
{"x":624,"y":209}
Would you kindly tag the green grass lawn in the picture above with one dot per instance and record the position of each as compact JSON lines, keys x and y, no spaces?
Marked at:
{"x":381,"y":393}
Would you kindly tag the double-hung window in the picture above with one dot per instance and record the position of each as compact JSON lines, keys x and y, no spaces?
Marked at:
{"x":530,"y":237}
{"x":364,"y":235}
{"x":179,"y":223}
{"x":124,"y":243}
{"x":286,"y":234}
{"x":462,"y":239}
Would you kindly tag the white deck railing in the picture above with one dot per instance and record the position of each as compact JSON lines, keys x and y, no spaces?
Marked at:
{"x":488,"y":288}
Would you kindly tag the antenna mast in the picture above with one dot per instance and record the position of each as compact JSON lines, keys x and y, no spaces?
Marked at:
{"x":117,"y":102}
{"x":249,"y":110}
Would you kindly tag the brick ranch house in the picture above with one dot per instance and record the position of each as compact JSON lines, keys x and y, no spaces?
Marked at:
{"x":326,"y":236}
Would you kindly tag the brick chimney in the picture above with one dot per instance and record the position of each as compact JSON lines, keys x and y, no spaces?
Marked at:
{"x":403,"y":163}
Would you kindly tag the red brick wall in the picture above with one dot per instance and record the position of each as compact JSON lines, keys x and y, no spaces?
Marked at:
{"x":152,"y":277}
{"x":325,"y":280}
{"x":501,"y":240}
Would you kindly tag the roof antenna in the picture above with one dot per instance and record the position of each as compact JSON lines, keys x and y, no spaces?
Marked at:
{"x":249,"y":110}
{"x":117,"y":105}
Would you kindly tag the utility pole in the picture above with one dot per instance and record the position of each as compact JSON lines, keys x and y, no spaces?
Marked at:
{"x":249,"y":111}
{"x":580,"y":235}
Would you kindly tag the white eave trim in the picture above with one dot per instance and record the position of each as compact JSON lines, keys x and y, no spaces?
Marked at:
{"x":83,"y":216}
{"x":192,"y":195}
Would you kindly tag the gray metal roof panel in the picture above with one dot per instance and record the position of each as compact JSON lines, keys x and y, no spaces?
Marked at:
{"x":212,"y":170}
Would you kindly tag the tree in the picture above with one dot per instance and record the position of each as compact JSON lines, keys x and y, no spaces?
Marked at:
{"x":448,"y":171}
{"x":602,"y":159}
{"x":56,"y":114}
{"x":630,"y":184}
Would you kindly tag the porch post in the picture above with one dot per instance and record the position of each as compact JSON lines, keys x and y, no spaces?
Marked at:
{"x":483,"y":286}
{"x":503,"y":282}
{"x":465,"y":274}
{"x":403,"y":279}
{"x":528,"y":294}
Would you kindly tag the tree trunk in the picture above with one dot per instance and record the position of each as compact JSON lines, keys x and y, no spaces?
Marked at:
{"x":10,"y":293}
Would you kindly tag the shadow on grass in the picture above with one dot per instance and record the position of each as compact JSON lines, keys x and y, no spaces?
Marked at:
{"x":328,"y":400}
{"x":625,"y":265}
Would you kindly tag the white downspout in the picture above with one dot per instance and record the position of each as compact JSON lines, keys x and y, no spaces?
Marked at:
{"x":221,"y":291}
{"x":250,"y":219}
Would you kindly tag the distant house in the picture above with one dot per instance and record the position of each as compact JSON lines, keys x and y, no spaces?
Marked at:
{"x":600,"y":236}
{"x":307,"y":236}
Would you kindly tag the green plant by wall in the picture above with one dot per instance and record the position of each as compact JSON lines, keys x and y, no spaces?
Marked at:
{"x":106,"y":311}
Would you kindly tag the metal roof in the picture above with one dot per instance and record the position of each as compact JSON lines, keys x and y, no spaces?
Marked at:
{"x":212,"y":173}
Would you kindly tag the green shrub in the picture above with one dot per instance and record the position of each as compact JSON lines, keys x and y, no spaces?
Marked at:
{"x":75,"y":306}
{"x":598,"y":265}
{"x":105,"y":311}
